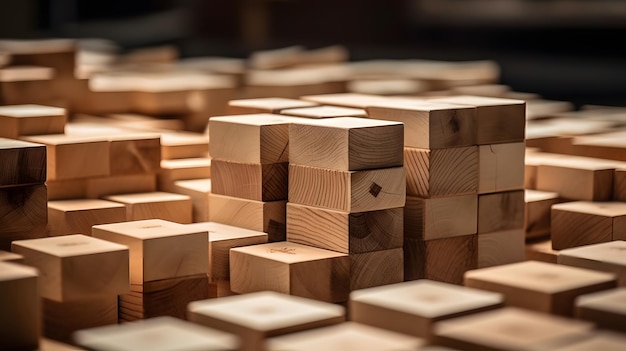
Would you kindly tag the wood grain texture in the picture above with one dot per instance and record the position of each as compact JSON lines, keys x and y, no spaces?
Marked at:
{"x":500,"y":167}
{"x":498,"y":248}
{"x":176,"y":145}
{"x":22,"y":120}
{"x":254,"y":181}
{"x":376,"y":268}
{"x":346,"y":143}
{"x":537,"y":217}
{"x":264,"y":105}
{"x":501,"y":211}
{"x":98,"y":187}
{"x":607,"y":257}
{"x":78,"y":216}
{"x":349,"y":191}
{"x":20,"y":325}
{"x":438,"y":218}
{"x":23,"y":163}
{"x":441,"y":172}
{"x":135,"y":154}
{"x":167,"y":206}
{"x":23,"y":214}
{"x":62,"y":319}
{"x":344,"y":232}
{"x":605,"y":309}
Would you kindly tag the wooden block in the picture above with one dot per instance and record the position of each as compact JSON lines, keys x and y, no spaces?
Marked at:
{"x":98,"y":187}
{"x":540,"y":286}
{"x":59,"y":54}
{"x":183,"y":145}
{"x":71,"y":157}
{"x":22,"y":120}
{"x":350,"y":100}
{"x":619,"y":185}
{"x":19,"y":301}
{"x":607,"y":257}
{"x":509,"y":329}
{"x":599,"y":340}
{"x":500,"y":211}
{"x":324,"y":112}
{"x":255,"y":138}
{"x":532,"y":161}
{"x":167,"y":206}
{"x":167,"y":297}
{"x":349,"y":191}
{"x":26,"y":85}
{"x":254,"y":181}
{"x":581,"y":223}
{"x":437,"y":218}
{"x":222,"y":238}
{"x":541,"y":251}
{"x":51,"y":345}
{"x":257,"y":316}
{"x":222,"y":288}
{"x":441,"y":172}
{"x":605,"y":309}
{"x":353,"y":233}
{"x":23,"y":163}
{"x":158,"y":249}
{"x":295,"y":269}
{"x":67,"y":189}
{"x":265,"y":105}
{"x":497,"y":120}
{"x":62,"y":319}
{"x":348,"y":336}
{"x":430,"y":125}
{"x":135,"y":154}
{"x":198,"y":190}
{"x":376,"y":268}
{"x":6,"y":256}
{"x":162,"y":333}
{"x":23,"y":214}
{"x":538,"y":206}
{"x":444,"y":260}
{"x":500,"y":167}
{"x":498,"y":248}
{"x":276,"y":58}
{"x":413,"y":307}
{"x":387,"y":87}
{"x":182,"y":169}
{"x":268,"y":217}
{"x":147,"y":123}
{"x":78,"y":216}
{"x":76,"y":267}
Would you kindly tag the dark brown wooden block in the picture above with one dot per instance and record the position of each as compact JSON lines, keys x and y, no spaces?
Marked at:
{"x":501,"y":211}
{"x":22,"y":163}
{"x":23,"y":214}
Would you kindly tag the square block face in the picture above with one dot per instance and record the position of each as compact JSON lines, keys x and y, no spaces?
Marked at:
{"x":171,"y":207}
{"x":346,"y":143}
{"x":23,"y":163}
{"x":252,"y":181}
{"x":498,"y":248}
{"x":324,"y":112}
{"x":538,"y":206}
{"x":501,"y":211}
{"x":21,"y":120}
{"x":265,"y":105}
{"x":501,"y":167}
{"x":21,"y":316}
{"x":76,"y":267}
{"x":78,"y":216}
{"x":509,"y":329}
{"x":437,"y":218}
{"x":608,"y":257}
{"x":157,"y":334}
{"x":158,"y":249}
{"x":606,"y":309}
{"x":540,"y":286}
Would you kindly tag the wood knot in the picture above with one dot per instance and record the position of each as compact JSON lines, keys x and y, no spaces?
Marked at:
{"x":375,"y":189}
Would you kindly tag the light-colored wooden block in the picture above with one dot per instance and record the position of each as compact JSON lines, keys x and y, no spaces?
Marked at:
{"x":198,"y":190}
{"x":346,"y":143}
{"x":257,"y":316}
{"x":296,"y":269}
{"x":430,"y":125}
{"x":158,"y":249}
{"x":183,"y":145}
{"x":167,"y":206}
{"x":538,"y":206}
{"x":413,"y":307}
{"x":158,"y":334}
{"x":605,"y":309}
{"x":619,"y":185}
{"x":441,"y":172}
{"x":353,"y":233}
{"x":497,"y":120}
{"x":254,"y":181}
{"x":498,"y":248}
{"x":59,"y":54}
{"x":541,"y":251}
{"x":135,"y":153}
{"x":581,"y":223}
{"x":324,"y":112}
{"x":444,"y":260}
{"x":348,"y":336}
{"x":350,"y":100}
{"x":295,"y":82}
{"x":20,"y":323}
{"x":500,"y":167}
{"x":62,"y":319}
{"x":607,"y":257}
{"x":23,"y":163}
{"x":76,"y":267}
{"x":540,"y":286}
{"x":78,"y":216}
{"x":23,"y":214}
{"x":268,"y":217}
{"x":222,"y":238}
{"x":501,"y":211}
{"x":599,"y":340}
{"x":144,"y":122}
{"x":183,"y":169}
{"x":276,"y":58}
{"x":437,"y":218}
{"x":26,"y":85}
{"x":46,"y":344}
{"x":22,"y":120}
{"x":349,"y":191}
{"x":509,"y":329}
{"x":6,"y":256}
{"x":115,"y":185}
{"x":387,"y":87}
{"x":265,"y":105}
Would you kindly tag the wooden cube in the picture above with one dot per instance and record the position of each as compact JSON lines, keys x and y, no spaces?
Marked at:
{"x":59,"y":54}
{"x":538,"y":208}
{"x":26,"y":85}
{"x":605,"y":309}
{"x":265,"y":105}
{"x":541,"y":251}
{"x":619,"y":185}
{"x":437,"y":218}
{"x":23,"y":214}
{"x":498,"y":248}
{"x":22,"y":120}
{"x":376,"y":268}
{"x":581,"y":223}
{"x":78,"y":216}
{"x":254,"y":181}
{"x":577,"y":178}
{"x":607,"y":257}
{"x":501,"y":211}
{"x":344,"y":232}
{"x":349,"y":191}
{"x":23,"y":163}
{"x":256,"y":316}
{"x":46,"y":344}
{"x":62,"y":319}
{"x":114,"y":185}
{"x":198,"y":190}
{"x":413,"y":307}
{"x":324,"y":112}
{"x":441,"y":172}
{"x":135,"y":153}
{"x":295,"y":269}
{"x":540,"y":286}
{"x":167,"y":206}
{"x":158,"y":249}
{"x":20,"y":323}
{"x":500,"y":167}
{"x":184,"y":168}
{"x":183,"y":145}
{"x":430,"y":125}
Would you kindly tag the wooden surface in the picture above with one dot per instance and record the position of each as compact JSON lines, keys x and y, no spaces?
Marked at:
{"x":198,"y":190}
{"x":350,"y":100}
{"x":6,"y":256}
{"x":22,"y":120}
{"x":324,"y":112}
{"x":265,"y":105}
{"x":254,"y":181}
{"x":20,"y":323}
{"x":62,"y":319}
{"x":541,"y":251}
{"x":23,"y":213}
{"x":500,"y":211}
{"x":167,"y":206}
{"x":503,"y":247}
{"x":23,"y":163}
{"x":619,"y":185}
{"x":537,"y":212}
{"x":184,"y":168}
{"x":437,"y":218}
{"x":183,"y":145}
{"x":607,"y":257}
{"x":98,"y":187}
{"x":376,"y":268}
{"x":134,"y":154}
{"x":605,"y":309}
{"x":500,"y":167}
{"x":600,"y":340}
{"x":78,"y":216}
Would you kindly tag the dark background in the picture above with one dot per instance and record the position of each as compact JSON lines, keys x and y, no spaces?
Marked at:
{"x":562,"y":49}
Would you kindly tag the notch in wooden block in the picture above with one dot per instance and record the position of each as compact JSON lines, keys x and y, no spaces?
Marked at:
{"x":538,"y":207}
{"x":158,"y":249}
{"x":265,"y":105}
{"x":349,"y":191}
{"x":22,"y":120}
{"x":298,"y":270}
{"x":540,"y":286}
{"x":605,"y":309}
{"x":23,"y":213}
{"x":62,"y":319}
{"x":324,"y":112}
{"x":607,"y":257}
{"x":167,"y":206}
{"x":500,"y":211}
{"x":257,"y":316}
{"x":78,"y":216}
{"x":498,"y":248}
{"x":254,"y":181}
{"x":501,"y":167}
{"x":23,"y":163}
{"x":76,"y":267}
{"x":437,"y":218}
{"x":346,"y":143}
{"x":198,"y":190}
{"x":20,"y":304}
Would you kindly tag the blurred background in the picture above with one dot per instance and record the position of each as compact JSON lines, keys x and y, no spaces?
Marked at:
{"x":561,"y":49}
